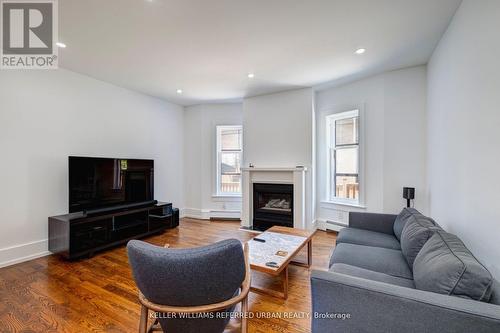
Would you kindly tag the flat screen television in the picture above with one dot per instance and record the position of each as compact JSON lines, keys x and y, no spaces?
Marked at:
{"x":96,"y":182}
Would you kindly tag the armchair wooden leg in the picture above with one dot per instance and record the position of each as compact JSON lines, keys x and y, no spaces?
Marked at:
{"x":244,"y":310}
{"x":143,"y":324}
{"x":155,"y":326}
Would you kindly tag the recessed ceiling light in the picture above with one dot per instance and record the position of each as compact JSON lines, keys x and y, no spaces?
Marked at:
{"x":360,"y":51}
{"x":179,"y":91}
{"x":251,"y":75}
{"x":61,"y":45}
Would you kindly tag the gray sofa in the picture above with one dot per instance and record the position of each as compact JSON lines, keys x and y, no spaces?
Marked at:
{"x":403,"y":273}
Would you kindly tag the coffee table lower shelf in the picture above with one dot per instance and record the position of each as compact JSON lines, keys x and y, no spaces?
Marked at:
{"x":279,"y":294}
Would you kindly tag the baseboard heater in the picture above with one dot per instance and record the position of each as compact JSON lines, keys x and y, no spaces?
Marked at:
{"x":334,"y":223}
{"x":222,"y":215}
{"x":212,"y":218}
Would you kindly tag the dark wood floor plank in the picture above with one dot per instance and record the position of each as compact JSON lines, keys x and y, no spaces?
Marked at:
{"x":98,"y":294}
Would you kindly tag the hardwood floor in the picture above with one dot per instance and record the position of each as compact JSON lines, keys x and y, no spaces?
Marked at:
{"x":98,"y":294}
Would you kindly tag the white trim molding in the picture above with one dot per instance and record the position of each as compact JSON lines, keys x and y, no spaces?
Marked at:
{"x":218,"y":158}
{"x":335,"y":113}
{"x":226,"y":198}
{"x":331,"y":204}
{"x":294,"y":175}
{"x":23,"y":252}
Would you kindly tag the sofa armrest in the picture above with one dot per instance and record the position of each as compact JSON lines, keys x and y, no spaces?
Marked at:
{"x":373,"y":222}
{"x":363,"y":305}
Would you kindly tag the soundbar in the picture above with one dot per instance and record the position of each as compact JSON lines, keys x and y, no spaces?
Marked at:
{"x":100,"y":211}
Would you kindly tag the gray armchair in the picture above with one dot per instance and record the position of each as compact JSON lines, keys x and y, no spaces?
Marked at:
{"x":191,"y":290}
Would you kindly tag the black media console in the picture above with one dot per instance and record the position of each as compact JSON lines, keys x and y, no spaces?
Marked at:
{"x":78,"y":234}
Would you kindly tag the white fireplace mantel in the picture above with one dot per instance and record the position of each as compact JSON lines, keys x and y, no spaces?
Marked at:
{"x":293,"y":175}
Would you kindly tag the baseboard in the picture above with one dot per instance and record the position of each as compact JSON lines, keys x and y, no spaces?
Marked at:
{"x":191,"y":213}
{"x":207,"y":214}
{"x":23,"y":252}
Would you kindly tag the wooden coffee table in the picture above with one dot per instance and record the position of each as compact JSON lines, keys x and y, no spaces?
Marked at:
{"x":288,"y":240}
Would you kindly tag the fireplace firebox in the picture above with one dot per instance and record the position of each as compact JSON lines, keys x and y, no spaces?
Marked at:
{"x":272,"y":205}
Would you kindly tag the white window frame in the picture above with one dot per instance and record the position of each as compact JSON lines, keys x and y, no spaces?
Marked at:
{"x":330,"y":138}
{"x":218,"y":175}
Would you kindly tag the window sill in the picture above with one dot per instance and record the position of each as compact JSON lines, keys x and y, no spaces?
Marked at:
{"x":342,"y":203}
{"x":222,"y":196}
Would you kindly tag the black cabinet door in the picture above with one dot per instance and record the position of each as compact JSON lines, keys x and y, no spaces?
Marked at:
{"x":126,"y":226}
{"x":157,"y":222}
{"x":85,"y":236}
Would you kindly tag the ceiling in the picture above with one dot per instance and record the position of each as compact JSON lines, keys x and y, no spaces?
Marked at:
{"x":208,"y":47}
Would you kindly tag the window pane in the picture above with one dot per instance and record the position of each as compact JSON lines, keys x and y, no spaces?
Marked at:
{"x":347,"y":187}
{"x":230,"y":139}
{"x":230,"y":183}
{"x":346,"y":160}
{"x":230,"y":162}
{"x":346,"y":131}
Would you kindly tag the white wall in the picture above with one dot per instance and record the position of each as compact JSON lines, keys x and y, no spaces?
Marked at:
{"x":200,"y":160}
{"x":46,"y":116}
{"x":463,"y":125}
{"x":405,"y":137}
{"x":393,"y":112}
{"x":278,"y":131}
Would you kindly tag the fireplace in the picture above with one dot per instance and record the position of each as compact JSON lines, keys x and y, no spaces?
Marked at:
{"x":272,"y":205}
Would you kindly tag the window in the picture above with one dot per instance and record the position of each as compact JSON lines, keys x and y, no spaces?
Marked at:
{"x":343,"y":157}
{"x":229,"y":157}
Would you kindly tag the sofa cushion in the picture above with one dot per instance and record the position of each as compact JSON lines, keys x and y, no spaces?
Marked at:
{"x":401,"y":219}
{"x":367,"y":237}
{"x":417,"y":230}
{"x":371,"y":275}
{"x":446,"y":266}
{"x":495,"y":292}
{"x":378,"y":259}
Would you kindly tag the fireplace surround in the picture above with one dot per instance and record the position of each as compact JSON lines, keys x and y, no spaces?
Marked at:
{"x":272,"y":205}
{"x":290,"y":177}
